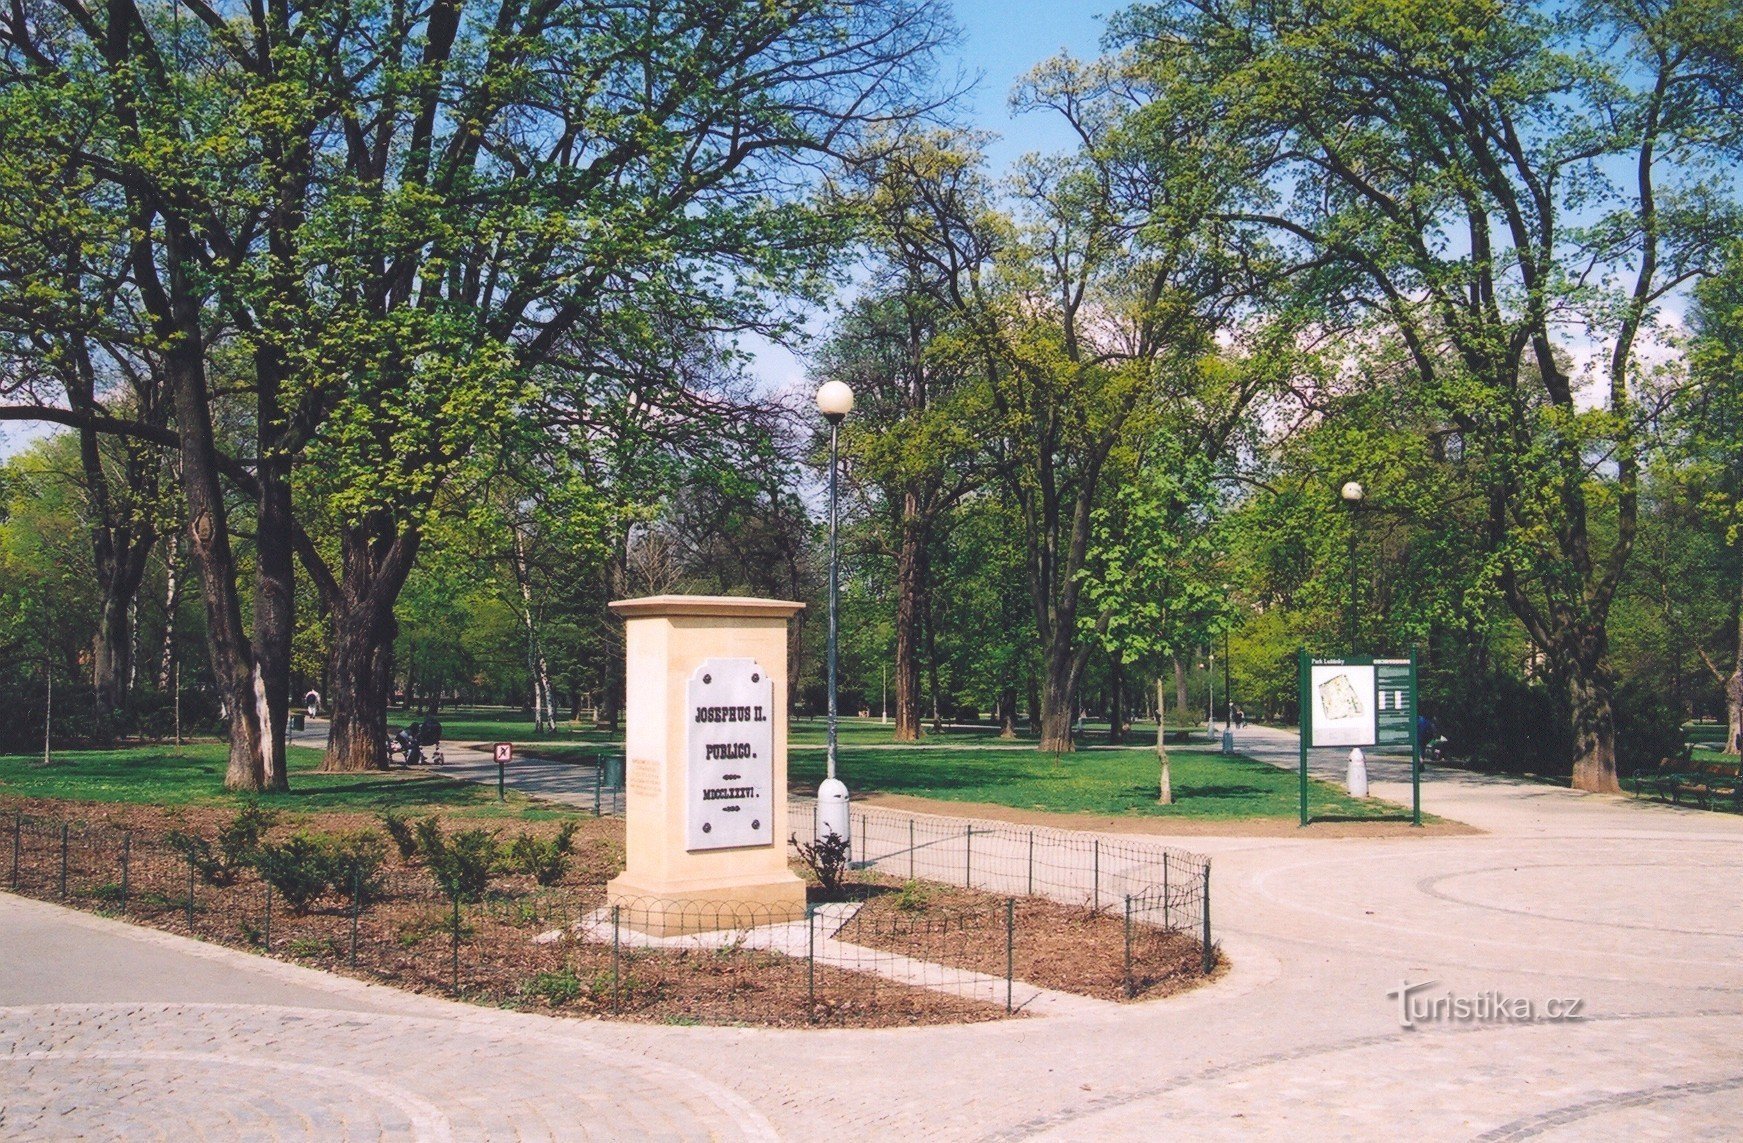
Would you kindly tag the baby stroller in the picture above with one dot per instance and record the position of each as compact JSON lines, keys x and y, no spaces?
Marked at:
{"x":409,"y":743}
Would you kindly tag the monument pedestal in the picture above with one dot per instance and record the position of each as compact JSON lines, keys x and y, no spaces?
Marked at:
{"x":705,"y":710}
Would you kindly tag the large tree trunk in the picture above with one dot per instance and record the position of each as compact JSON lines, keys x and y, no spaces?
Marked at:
{"x":1008,"y":713}
{"x":1181,"y":701}
{"x":209,"y":544}
{"x":359,"y":669}
{"x":362,"y":626}
{"x":274,"y":582}
{"x":1058,"y":687}
{"x":1584,"y":673}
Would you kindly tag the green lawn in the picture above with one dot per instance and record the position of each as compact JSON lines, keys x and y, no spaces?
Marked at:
{"x":963,"y":766}
{"x":1207,"y":784}
{"x":160,"y":775}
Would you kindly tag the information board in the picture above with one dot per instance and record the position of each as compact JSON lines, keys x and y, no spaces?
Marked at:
{"x":1358,"y":701}
{"x":730,"y":704}
{"x":1343,"y":703}
{"x":1394,"y":702}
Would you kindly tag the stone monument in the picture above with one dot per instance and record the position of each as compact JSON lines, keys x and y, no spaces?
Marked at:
{"x":705,"y":710}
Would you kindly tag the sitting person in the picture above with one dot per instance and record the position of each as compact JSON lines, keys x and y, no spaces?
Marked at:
{"x":408,"y":744}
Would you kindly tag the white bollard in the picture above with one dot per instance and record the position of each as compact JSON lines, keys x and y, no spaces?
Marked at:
{"x":1358,"y":777}
{"x":834,"y":809}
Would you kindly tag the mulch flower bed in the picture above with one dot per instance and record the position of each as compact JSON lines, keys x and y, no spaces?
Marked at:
{"x":1060,"y":947}
{"x":540,"y":947}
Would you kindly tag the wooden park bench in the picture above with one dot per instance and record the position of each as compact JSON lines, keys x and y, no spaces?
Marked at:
{"x":1704,"y":782}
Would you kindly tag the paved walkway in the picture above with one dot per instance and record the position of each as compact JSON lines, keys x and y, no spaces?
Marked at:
{"x":1632,"y":909}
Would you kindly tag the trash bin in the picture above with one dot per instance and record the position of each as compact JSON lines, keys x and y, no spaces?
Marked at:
{"x":296,"y":721}
{"x":613,"y":766}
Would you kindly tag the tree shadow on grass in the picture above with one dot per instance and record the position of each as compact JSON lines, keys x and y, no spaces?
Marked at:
{"x":1314,"y":819}
{"x":383,"y":790}
{"x":919,"y":776}
{"x":1223,"y":791}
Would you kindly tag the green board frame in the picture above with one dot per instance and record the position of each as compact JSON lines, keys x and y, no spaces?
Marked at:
{"x":1394,"y":699}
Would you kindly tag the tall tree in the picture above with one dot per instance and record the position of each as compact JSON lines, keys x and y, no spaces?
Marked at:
{"x":1504,"y":185}
{"x":1707,"y":438}
{"x":1105,"y":305}
{"x":929,"y":229}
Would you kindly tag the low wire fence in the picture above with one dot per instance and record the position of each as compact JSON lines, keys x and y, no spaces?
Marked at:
{"x":923,"y":951}
{"x":1156,"y":886}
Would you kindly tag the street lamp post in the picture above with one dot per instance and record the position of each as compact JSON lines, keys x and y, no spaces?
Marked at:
{"x":1228,"y":692}
{"x":834,"y":401}
{"x":1352,"y":496}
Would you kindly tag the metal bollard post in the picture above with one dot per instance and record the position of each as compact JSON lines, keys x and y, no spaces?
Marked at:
{"x":811,"y":965}
{"x":63,"y":859}
{"x":1128,"y":946}
{"x":910,"y":849}
{"x":1209,"y":953}
{"x":455,"y":977}
{"x":1096,"y":848}
{"x":1167,"y":922}
{"x":616,"y":990}
{"x":1010,"y":949}
{"x":356,"y":907}
{"x":1031,"y":863}
{"x":126,"y":865}
{"x":598,"y":784}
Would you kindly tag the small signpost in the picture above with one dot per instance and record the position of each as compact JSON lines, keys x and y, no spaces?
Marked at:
{"x":504,"y":752}
{"x":1360,"y":701}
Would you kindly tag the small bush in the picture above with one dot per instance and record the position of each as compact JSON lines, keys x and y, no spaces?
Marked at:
{"x":554,"y":988}
{"x":543,"y":861}
{"x":400,"y":831}
{"x":354,"y":862}
{"x":198,"y":851}
{"x":912,"y":898}
{"x":827,"y":858}
{"x":298,"y":869}
{"x":238,"y":845}
{"x":462,"y":865}
{"x":309,"y":865}
{"x":239,"y":842}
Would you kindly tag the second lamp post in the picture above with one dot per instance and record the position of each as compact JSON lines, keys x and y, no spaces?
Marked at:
{"x":834,"y":401}
{"x":1352,"y":495}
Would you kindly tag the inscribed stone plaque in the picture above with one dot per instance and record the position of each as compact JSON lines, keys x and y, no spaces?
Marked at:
{"x":731,"y":755}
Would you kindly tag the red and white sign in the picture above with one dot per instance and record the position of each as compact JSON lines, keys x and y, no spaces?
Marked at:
{"x":504,"y":753}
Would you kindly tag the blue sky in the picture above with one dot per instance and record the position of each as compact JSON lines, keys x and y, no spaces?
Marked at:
{"x":1002,"y":41}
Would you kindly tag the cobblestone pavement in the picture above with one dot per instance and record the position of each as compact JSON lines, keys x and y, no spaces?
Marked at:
{"x":1632,"y":909}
